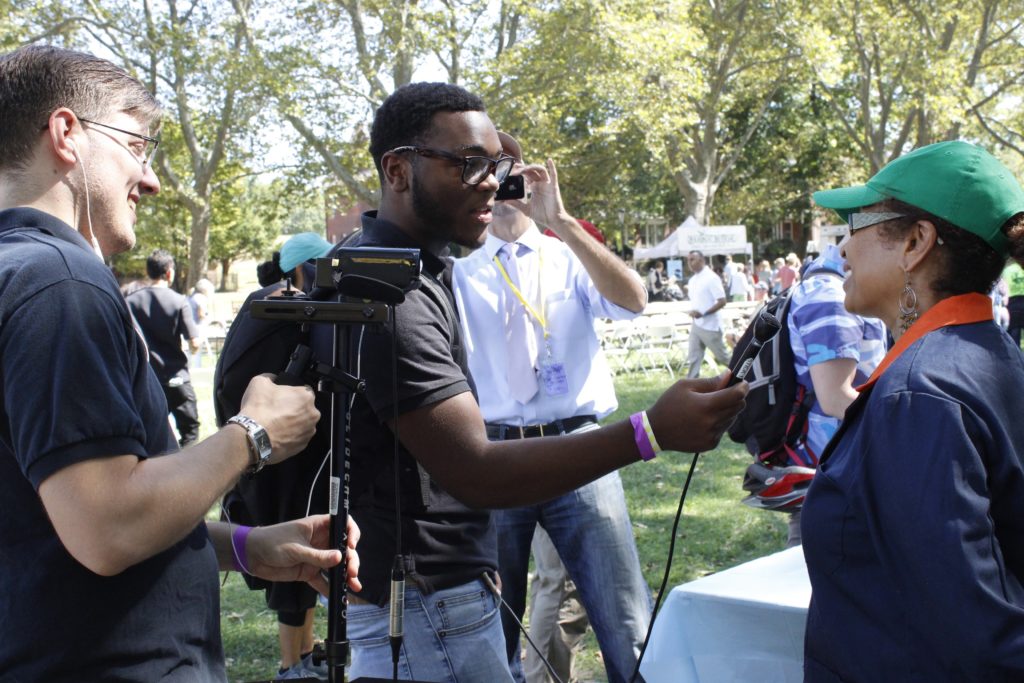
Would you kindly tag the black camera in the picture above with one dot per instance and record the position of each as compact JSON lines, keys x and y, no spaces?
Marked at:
{"x":513,"y":187}
{"x":363,"y":271}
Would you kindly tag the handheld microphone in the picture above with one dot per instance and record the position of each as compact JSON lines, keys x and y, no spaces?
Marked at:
{"x":766,"y":326}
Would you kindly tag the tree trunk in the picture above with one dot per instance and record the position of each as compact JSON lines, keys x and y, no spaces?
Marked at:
{"x":697,"y":197}
{"x":225,"y":266}
{"x":199,"y":247}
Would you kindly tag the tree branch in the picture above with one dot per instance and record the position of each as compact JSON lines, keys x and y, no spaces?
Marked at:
{"x":227,"y":182}
{"x":333,"y":163}
{"x":999,"y":138}
{"x":354,"y":8}
{"x":733,"y":157}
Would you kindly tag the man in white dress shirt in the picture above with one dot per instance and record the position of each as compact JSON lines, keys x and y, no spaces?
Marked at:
{"x":708,"y":297}
{"x":528,"y":306}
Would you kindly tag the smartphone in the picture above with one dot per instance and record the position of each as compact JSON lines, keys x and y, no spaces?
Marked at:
{"x":513,"y":188}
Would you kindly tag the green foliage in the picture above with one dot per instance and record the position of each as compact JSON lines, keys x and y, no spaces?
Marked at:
{"x":783,"y":164}
{"x":731,"y":110}
{"x":246,"y":215}
{"x":659,"y":109}
{"x":247,"y":228}
{"x":30,"y":21}
{"x":566,"y":104}
{"x":901,"y":75}
{"x":163,"y":223}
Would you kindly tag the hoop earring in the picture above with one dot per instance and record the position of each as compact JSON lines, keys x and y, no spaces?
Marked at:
{"x":908,"y":306}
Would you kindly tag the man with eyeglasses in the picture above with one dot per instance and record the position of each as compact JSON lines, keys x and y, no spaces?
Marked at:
{"x":529,"y":303}
{"x":440,"y":161}
{"x":107,"y":568}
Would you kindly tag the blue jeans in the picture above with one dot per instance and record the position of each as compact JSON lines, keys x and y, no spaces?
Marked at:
{"x":591,"y":530}
{"x":451,"y":635}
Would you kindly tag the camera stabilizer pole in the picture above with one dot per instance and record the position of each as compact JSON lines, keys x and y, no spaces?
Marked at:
{"x":302,"y":369}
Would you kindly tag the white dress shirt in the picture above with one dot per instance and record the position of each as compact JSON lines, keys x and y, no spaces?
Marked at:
{"x":570,"y":303}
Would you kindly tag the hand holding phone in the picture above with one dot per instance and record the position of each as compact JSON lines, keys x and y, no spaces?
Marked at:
{"x":513,"y":187}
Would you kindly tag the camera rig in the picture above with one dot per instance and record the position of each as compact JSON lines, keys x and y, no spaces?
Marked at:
{"x":353,"y":286}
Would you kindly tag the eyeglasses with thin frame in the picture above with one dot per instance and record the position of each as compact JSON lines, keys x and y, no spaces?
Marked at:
{"x":144,"y":152}
{"x":475,"y":169}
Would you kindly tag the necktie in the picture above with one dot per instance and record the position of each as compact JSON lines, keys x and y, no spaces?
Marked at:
{"x":520,"y":336}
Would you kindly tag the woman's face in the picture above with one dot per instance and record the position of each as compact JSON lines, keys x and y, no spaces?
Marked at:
{"x":874,"y":275}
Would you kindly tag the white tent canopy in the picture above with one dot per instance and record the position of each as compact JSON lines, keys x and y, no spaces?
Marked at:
{"x":691,"y":235}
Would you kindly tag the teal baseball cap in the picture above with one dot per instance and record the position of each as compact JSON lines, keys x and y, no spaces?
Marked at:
{"x":956,"y":181}
{"x":302,"y":247}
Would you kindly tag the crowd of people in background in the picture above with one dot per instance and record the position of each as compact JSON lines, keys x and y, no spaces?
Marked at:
{"x":741,"y":280}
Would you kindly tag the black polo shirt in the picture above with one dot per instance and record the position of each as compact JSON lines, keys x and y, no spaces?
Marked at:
{"x":447,"y":543}
{"x":75,"y":384}
{"x":165,"y":318}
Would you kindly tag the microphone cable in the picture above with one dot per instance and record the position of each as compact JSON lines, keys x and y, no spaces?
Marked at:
{"x":766,"y":326}
{"x":511,"y":612}
{"x":668,"y":568}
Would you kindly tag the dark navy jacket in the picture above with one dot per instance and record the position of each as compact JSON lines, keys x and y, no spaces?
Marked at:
{"x":914,"y":526}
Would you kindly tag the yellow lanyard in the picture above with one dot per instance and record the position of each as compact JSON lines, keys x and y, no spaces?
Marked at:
{"x":522,"y":299}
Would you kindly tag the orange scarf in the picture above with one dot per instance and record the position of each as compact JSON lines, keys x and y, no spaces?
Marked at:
{"x":962,"y":309}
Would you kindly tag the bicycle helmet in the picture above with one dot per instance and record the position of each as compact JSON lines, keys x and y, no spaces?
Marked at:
{"x":776,"y":488}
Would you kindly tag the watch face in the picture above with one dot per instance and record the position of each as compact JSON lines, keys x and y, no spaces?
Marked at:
{"x":259,"y":441}
{"x":263,"y":442}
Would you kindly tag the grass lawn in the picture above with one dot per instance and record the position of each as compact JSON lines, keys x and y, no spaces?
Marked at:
{"x":716,"y":532}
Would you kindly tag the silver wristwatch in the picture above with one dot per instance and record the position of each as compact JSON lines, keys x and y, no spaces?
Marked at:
{"x":259,"y":441}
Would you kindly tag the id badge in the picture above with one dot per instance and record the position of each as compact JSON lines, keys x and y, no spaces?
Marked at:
{"x":553,"y":376}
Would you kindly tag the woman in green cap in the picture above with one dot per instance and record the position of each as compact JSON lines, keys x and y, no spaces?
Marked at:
{"x":913,"y":527}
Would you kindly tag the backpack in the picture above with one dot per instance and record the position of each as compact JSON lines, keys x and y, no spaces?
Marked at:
{"x":774,"y":421}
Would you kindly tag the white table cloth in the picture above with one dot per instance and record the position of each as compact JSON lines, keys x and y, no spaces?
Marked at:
{"x":740,"y":625}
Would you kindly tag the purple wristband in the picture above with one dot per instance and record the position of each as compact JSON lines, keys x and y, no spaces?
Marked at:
{"x":238,"y":553}
{"x":643,"y":444}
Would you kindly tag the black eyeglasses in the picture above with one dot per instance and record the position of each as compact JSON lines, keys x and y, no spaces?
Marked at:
{"x":143,"y":151}
{"x":474,"y":168}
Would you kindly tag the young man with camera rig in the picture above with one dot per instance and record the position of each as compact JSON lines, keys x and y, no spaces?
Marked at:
{"x":440,"y":162}
{"x":528,"y":304}
{"x":107,"y":568}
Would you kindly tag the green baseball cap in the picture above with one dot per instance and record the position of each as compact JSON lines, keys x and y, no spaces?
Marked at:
{"x":956,"y":181}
